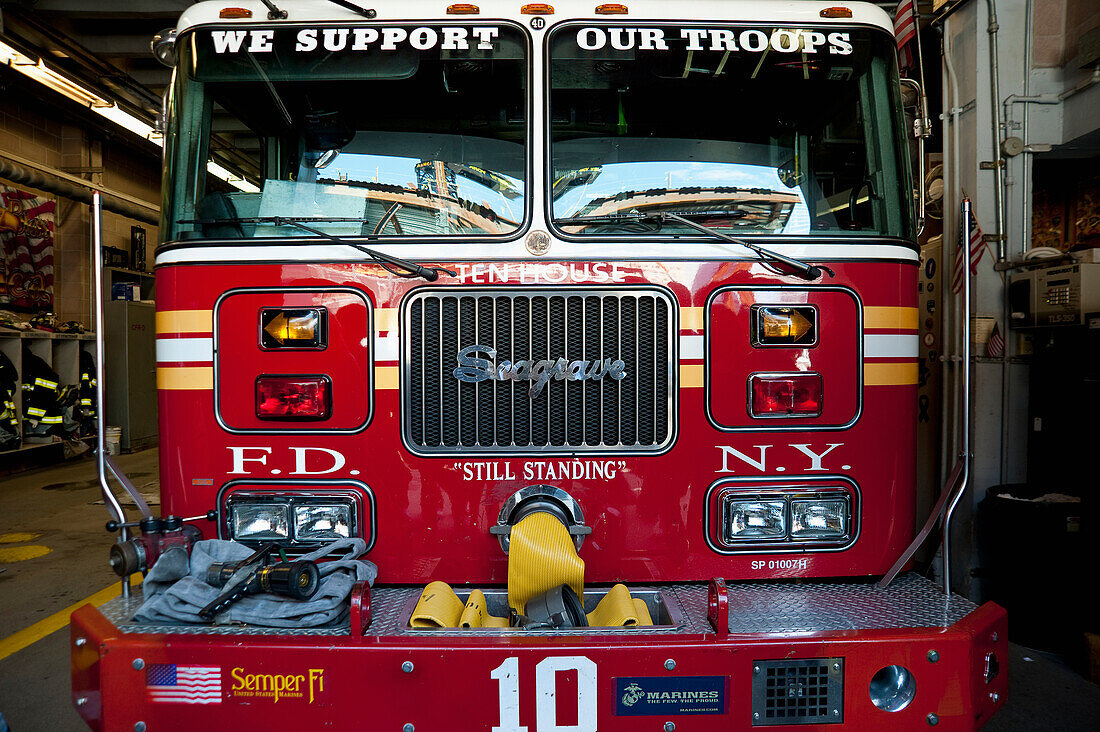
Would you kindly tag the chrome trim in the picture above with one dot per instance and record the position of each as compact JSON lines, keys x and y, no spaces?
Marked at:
{"x":772,"y":485}
{"x":708,"y":340}
{"x":285,"y":431}
{"x":534,"y":498}
{"x":513,"y":293}
{"x":354,"y":489}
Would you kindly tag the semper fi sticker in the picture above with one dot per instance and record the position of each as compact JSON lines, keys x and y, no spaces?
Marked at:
{"x":638,"y":696}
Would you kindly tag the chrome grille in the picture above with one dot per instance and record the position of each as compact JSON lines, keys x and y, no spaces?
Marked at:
{"x":444,"y":415}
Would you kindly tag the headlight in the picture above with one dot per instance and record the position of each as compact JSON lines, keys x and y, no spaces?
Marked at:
{"x":260,"y":521}
{"x":313,"y":521}
{"x":755,"y":519}
{"x":819,"y":519}
{"x":291,"y":520}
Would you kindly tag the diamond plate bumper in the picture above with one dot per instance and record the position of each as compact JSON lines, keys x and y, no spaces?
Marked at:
{"x":388,"y":675}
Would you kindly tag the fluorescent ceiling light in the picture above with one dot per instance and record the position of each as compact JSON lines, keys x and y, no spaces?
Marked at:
{"x":107,"y":109}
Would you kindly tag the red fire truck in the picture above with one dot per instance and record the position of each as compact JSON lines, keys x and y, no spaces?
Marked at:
{"x":646,"y":269}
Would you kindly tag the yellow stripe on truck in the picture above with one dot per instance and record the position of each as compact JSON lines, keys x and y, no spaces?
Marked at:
{"x":185,"y":321}
{"x":185,"y":377}
{"x":691,"y":376}
{"x":891,"y":317}
{"x":889,"y":374}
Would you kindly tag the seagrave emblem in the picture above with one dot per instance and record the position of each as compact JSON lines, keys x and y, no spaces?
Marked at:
{"x":472,"y":369}
{"x":633,"y":694}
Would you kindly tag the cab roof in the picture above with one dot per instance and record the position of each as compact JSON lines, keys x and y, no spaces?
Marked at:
{"x":753,"y":11}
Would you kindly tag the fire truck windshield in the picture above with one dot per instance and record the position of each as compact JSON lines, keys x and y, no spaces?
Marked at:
{"x":781,"y":131}
{"x":361,"y":131}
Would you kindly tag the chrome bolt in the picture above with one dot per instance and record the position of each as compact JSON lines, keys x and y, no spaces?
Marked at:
{"x":669,"y":726}
{"x":836,"y":666}
{"x":995,"y":697}
{"x":670,"y":664}
{"x":756,"y":715}
{"x":407,"y":667}
{"x":81,"y":701}
{"x":139,"y":727}
{"x":933,"y":720}
{"x":408,"y":727}
{"x":139,"y":664}
{"x":756,"y":669}
{"x":80,"y":642}
{"x":995,"y":636}
{"x":836,"y":712}
{"x":933,"y":656}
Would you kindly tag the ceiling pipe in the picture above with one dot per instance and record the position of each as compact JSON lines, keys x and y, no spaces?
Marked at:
{"x":60,"y":183}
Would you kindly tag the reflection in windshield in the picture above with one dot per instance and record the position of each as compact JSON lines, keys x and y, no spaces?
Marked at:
{"x":751,"y":130}
{"x":365,"y":140}
{"x":741,"y":196}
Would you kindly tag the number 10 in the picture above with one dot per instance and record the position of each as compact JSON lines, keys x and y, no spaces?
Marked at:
{"x":546,"y":692}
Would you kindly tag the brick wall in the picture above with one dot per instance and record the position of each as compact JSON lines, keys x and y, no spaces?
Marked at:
{"x":1057,"y":27}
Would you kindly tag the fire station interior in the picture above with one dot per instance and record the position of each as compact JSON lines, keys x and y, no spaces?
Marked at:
{"x":1013,"y":124}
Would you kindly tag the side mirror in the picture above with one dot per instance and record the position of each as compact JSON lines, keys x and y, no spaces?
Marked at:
{"x":922,"y":128}
{"x":790,"y":175}
{"x":163,"y":46}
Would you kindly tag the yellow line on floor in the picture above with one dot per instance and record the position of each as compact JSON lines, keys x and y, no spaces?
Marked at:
{"x":34,"y":633}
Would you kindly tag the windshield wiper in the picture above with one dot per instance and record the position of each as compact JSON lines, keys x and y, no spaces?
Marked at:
{"x":411,"y":269}
{"x":369,"y":13}
{"x":802,"y":269}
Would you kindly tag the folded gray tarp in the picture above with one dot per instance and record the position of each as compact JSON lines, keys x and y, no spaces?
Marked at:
{"x":175,"y":590}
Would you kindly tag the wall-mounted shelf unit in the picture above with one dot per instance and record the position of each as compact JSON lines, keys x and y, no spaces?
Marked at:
{"x":62,"y":352}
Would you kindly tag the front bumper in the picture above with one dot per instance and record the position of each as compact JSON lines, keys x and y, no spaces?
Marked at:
{"x":751,"y":655}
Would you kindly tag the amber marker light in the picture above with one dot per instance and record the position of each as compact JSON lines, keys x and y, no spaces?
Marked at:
{"x":463,"y":9}
{"x":611,"y":9}
{"x":303,"y":328}
{"x":836,"y":12}
{"x":778,"y":325}
{"x":537,"y":9}
{"x":235,"y":13}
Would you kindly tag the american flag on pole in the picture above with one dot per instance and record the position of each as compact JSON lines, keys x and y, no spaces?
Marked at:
{"x":905,"y":30}
{"x":167,"y":682}
{"x":977,"y":251}
{"x":995,"y":346}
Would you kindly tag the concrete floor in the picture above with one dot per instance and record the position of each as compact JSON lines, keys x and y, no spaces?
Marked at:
{"x":58,"y":506}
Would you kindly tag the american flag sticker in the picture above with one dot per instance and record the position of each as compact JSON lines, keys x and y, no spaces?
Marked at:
{"x":167,"y":682}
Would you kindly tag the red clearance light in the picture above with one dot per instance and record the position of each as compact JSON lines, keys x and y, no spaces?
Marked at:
{"x":611,"y":9}
{"x":463,"y":9}
{"x":537,"y":9}
{"x":836,"y":12}
{"x":785,"y":395}
{"x":293,"y":397}
{"x":235,"y":13}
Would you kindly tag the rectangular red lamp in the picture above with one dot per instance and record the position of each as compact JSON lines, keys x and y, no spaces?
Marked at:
{"x":785,"y":395}
{"x":293,"y":397}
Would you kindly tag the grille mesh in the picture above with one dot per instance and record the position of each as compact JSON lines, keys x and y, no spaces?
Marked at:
{"x":804,"y":691}
{"x":445,"y":415}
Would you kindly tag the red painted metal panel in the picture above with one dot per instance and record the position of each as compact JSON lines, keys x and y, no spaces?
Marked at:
{"x":352,"y":683}
{"x":345,"y":360}
{"x":732,"y":357}
{"x":647,"y":514}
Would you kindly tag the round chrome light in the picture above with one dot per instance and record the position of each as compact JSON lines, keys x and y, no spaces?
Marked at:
{"x":892,"y":688}
{"x":538,"y":243}
{"x":163,"y":46}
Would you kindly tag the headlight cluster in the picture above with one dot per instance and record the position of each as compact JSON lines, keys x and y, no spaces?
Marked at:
{"x":291,"y":520}
{"x":782,"y":518}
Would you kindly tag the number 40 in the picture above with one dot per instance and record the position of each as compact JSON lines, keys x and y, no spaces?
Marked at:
{"x":546,"y":694}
